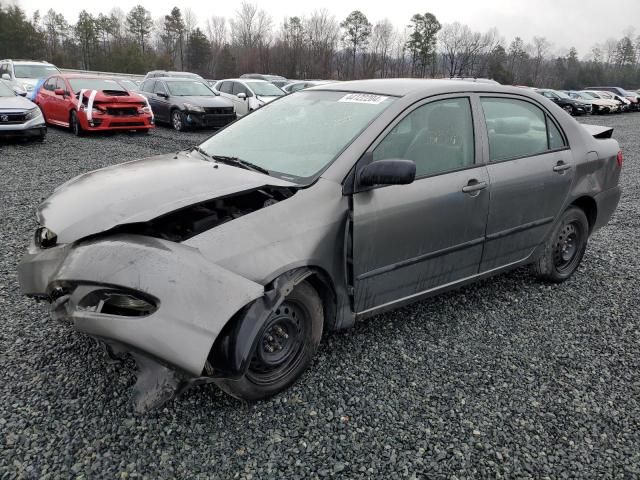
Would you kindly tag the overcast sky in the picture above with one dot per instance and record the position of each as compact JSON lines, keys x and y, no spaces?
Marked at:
{"x":566,"y":23}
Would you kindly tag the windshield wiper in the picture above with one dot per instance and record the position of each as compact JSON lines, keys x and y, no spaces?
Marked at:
{"x":238,"y":162}
{"x":202,"y":152}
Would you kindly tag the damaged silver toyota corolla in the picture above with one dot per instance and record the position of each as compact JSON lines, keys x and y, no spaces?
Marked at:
{"x":226,"y":263}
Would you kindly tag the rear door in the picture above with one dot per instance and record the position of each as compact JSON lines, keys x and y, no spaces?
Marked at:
{"x":531,"y":171}
{"x":409,"y":239}
{"x":45,"y":101}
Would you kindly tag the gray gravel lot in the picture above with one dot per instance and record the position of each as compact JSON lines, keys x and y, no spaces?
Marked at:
{"x":507,"y":378}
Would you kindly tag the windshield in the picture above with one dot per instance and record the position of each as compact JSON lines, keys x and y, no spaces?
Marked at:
{"x":265,"y":89}
{"x":298,"y":136}
{"x":561,"y":94}
{"x":183,"y":89}
{"x":34,"y":71}
{"x":586,"y":95}
{"x":94,"y":84}
{"x":6,"y":90}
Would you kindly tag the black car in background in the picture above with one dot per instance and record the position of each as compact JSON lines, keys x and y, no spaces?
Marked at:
{"x":570,"y":105}
{"x":187,"y":103}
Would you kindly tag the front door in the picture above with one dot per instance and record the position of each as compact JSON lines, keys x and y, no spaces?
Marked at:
{"x":531,"y":171}
{"x":409,"y":239}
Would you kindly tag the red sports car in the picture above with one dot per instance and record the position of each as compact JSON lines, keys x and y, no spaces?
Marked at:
{"x":88,"y":103}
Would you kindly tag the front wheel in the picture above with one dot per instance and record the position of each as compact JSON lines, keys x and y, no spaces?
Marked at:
{"x":568,"y":109}
{"x":76,"y":128}
{"x":285,"y":348}
{"x":178,"y":121}
{"x":564,"y":248}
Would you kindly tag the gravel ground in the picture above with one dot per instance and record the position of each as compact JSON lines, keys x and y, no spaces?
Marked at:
{"x":507,"y":378}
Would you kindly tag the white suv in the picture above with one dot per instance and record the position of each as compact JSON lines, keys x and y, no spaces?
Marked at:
{"x":26,"y":73}
{"x":247,"y":94}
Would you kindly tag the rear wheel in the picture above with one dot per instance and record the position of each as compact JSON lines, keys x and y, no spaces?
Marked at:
{"x":285,"y":348}
{"x":74,"y":124}
{"x":564,"y":248}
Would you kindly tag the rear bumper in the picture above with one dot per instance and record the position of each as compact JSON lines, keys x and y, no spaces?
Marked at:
{"x":606,"y":202}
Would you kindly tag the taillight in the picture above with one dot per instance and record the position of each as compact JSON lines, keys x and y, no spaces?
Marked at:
{"x":620,"y":158}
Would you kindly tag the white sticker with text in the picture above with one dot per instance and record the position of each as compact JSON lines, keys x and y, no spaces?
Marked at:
{"x":363,"y":98}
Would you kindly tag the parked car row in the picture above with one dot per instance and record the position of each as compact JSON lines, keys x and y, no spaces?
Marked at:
{"x":593,"y":100}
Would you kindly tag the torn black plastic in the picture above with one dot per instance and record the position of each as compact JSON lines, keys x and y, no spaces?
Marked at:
{"x":229,"y":358}
{"x":232,"y":351}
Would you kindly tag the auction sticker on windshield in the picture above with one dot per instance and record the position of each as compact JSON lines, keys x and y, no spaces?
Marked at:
{"x":363,"y":98}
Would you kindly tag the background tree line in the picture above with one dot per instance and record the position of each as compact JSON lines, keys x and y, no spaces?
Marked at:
{"x":313,"y":46}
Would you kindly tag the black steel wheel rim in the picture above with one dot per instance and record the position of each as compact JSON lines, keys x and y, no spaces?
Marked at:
{"x":566,"y":251}
{"x":280,"y":344}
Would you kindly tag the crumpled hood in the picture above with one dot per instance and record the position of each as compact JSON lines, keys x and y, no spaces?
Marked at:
{"x":105,"y":97}
{"x":140,"y":191}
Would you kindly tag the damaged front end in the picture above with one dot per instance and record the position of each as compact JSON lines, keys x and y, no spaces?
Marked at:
{"x":161,"y":300}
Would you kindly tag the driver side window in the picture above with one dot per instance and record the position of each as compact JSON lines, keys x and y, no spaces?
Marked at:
{"x":437,"y":136}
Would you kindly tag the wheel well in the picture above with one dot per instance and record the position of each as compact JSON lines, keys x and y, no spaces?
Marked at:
{"x":224,"y":345}
{"x":321,"y":282}
{"x":590,"y":209}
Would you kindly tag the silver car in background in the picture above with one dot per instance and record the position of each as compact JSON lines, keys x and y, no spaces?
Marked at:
{"x":227,"y":262}
{"x":19,"y":117}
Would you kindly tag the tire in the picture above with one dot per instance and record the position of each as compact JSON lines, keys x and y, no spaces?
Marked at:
{"x":178,"y":121}
{"x":271,"y":372}
{"x":568,"y":109}
{"x":565,"y":247}
{"x":74,"y":124}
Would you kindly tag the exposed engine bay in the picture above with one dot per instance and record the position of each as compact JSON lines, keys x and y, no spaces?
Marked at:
{"x":182,"y":224}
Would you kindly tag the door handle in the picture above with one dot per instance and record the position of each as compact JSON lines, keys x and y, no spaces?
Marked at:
{"x":561,"y":167}
{"x":474,"y":186}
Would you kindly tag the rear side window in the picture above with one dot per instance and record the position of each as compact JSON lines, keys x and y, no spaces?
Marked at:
{"x":516,"y":128}
{"x":437,"y":136}
{"x":555,"y":137}
{"x":226,"y":87}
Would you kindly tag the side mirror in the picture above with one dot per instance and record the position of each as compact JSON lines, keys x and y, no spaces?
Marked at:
{"x":162,"y":94}
{"x":60,"y":91}
{"x":242,"y":96}
{"x":6,"y":76}
{"x":388,"y":172}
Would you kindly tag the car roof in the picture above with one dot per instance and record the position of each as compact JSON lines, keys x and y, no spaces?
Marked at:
{"x":247,"y":80}
{"x":180,"y":79}
{"x":400,"y":87}
{"x":71,"y":76}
